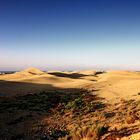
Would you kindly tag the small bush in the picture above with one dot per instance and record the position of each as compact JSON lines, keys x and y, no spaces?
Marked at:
{"x":76,"y":104}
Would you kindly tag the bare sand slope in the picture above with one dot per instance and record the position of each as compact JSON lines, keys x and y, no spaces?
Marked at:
{"x":118,"y":84}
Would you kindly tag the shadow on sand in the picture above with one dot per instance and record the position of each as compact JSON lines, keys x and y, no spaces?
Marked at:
{"x":22,"y":113}
{"x":12,"y":88}
{"x":73,"y":75}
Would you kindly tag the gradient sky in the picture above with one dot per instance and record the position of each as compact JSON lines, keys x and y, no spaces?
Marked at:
{"x":70,"y":34}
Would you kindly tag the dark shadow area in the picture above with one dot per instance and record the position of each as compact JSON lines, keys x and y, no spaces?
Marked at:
{"x":22,"y":114}
{"x":11,"y":88}
{"x":99,"y":72}
{"x":41,"y":101}
{"x":109,"y":114}
{"x":73,"y":75}
{"x":33,"y":73}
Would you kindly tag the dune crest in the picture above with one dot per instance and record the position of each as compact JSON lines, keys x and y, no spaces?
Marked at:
{"x":25,"y":74}
{"x":34,"y":71}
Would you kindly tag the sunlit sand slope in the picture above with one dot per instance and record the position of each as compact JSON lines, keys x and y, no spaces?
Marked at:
{"x":117,"y":84}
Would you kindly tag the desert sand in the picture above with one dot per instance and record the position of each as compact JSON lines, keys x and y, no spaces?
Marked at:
{"x":112,"y":85}
{"x":118,"y":89}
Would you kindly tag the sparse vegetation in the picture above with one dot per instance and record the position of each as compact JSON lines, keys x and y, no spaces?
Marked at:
{"x":67,"y":115}
{"x":42,"y":101}
{"x":87,"y":132}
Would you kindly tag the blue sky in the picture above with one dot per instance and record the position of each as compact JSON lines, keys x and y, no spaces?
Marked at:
{"x":69,"y":34}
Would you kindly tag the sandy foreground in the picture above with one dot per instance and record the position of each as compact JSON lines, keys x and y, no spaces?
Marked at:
{"x":112,"y":86}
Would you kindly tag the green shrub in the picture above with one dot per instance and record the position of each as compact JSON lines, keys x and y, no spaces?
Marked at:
{"x":76,"y":104}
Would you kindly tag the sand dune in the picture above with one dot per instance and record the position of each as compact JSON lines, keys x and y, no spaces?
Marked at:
{"x":110,"y":85}
{"x":118,"y":84}
{"x":25,"y":74}
{"x":34,"y":80}
{"x":114,"y":87}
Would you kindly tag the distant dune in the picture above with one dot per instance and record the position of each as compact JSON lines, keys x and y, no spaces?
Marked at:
{"x":112,"y":85}
{"x":25,"y":74}
{"x":87,"y":72}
